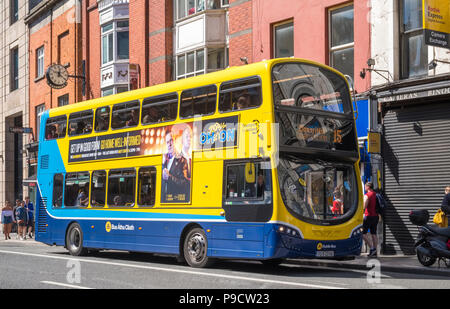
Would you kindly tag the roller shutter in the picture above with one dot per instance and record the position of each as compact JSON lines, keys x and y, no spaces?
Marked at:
{"x":416,"y":156}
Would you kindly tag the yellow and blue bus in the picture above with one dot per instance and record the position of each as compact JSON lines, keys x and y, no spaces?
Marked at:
{"x":252,"y":162}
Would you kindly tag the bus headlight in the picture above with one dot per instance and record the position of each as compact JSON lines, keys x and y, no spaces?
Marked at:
{"x":357,"y":232}
{"x":282,"y":229}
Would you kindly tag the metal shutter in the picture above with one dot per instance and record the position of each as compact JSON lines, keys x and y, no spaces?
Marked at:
{"x":416,"y":155}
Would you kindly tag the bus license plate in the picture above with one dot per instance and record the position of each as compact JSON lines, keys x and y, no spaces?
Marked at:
{"x":324,"y":253}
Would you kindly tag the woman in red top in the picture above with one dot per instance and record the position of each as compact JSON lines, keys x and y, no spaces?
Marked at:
{"x":370,"y":219}
{"x":338,"y":206}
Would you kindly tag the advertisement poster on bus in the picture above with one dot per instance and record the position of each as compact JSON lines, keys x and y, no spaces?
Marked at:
{"x":174,"y":142}
{"x":176,"y":164}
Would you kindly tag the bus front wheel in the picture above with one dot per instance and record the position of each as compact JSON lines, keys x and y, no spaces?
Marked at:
{"x":74,"y":240}
{"x":195,"y":249}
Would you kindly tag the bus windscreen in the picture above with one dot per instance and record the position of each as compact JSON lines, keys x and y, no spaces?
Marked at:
{"x":313,"y":108}
{"x":311,"y":87}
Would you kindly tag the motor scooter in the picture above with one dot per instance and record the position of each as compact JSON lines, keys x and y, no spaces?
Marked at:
{"x":433,"y":243}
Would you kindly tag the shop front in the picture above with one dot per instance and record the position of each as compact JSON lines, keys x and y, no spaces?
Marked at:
{"x":416,"y":155}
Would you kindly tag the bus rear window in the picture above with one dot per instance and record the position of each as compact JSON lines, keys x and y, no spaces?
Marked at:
{"x":81,"y":123}
{"x":125,"y":115}
{"x":240,"y":94}
{"x":55,"y":127}
{"x":198,"y":101}
{"x":160,"y":109}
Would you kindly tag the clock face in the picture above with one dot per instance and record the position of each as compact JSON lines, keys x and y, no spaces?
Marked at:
{"x":57,"y":76}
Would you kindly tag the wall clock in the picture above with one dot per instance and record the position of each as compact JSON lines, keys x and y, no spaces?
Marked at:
{"x":57,"y":76}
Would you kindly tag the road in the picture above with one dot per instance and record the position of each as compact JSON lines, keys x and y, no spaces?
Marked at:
{"x":43,"y":267}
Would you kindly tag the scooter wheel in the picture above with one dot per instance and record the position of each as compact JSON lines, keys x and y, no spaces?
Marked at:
{"x":425,"y":260}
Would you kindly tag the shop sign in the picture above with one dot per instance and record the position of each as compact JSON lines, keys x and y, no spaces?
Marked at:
{"x":415,"y":95}
{"x":374,"y":142}
{"x":436,"y":23}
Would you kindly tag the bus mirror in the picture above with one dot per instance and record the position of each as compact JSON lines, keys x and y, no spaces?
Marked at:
{"x":250,"y":173}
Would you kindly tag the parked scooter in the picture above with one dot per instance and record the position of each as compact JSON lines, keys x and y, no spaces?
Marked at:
{"x":433,"y":242}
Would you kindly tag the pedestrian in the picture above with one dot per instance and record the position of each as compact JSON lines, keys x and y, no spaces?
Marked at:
{"x":7,"y":219}
{"x":30,"y":210}
{"x":371,"y":218}
{"x":22,"y":219}
{"x":440,"y":218}
{"x":15,"y":228}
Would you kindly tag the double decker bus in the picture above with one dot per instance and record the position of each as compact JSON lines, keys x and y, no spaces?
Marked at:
{"x":252,"y":162}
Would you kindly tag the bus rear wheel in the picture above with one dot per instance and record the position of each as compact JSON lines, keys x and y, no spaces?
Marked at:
{"x":74,"y":240}
{"x":195,"y":249}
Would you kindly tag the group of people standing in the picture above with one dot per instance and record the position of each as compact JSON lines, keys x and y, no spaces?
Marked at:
{"x":21,"y":214}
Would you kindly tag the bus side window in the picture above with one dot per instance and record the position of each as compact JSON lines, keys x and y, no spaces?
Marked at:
{"x":121,"y":187}
{"x":125,"y":115}
{"x":198,"y":101}
{"x":160,"y":109}
{"x":147,"y":186}
{"x":98,"y":188}
{"x":102,"y":119}
{"x":58,"y":181}
{"x":248,"y":181}
{"x":81,"y":123}
{"x":240,"y":94}
{"x":76,"y":190}
{"x":55,"y":127}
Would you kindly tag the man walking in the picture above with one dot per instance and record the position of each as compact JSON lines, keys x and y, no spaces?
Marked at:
{"x":370,"y":219}
{"x":30,"y":210}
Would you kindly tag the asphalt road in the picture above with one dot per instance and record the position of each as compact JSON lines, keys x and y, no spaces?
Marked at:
{"x":38,"y":266}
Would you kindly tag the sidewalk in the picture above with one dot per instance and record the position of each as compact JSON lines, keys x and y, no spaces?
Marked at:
{"x":391,"y":263}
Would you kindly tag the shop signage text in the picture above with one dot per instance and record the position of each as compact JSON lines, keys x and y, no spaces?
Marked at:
{"x":415,"y":95}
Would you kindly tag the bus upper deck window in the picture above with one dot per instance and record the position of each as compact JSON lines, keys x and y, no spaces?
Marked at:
{"x":80,"y":123}
{"x":160,"y":109}
{"x":55,"y":127}
{"x":125,"y":115}
{"x":240,"y":94}
{"x":198,"y":101}
{"x":102,"y":119}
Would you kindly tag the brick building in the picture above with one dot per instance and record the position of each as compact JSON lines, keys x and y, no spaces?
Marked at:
{"x":54,"y":37}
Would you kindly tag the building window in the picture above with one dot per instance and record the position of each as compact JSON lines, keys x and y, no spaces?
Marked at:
{"x":283,"y":38}
{"x":122,"y":40}
{"x":115,"y":41}
{"x":341,"y":36}
{"x":14,"y":10}
{"x":40,"y":62}
{"x":414,"y":52}
{"x":14,"y":69}
{"x":114,"y":90}
{"x":190,"y":7}
{"x":63,"y":100}
{"x":107,"y":43}
{"x":63,"y":41}
{"x":193,"y":63}
{"x":39,"y":111}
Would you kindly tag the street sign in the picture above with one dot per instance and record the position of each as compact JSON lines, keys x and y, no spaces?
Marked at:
{"x":20,"y":130}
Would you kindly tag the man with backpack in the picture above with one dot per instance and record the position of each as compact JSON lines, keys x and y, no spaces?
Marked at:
{"x":371,"y":218}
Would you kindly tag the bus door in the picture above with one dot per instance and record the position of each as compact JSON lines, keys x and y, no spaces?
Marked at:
{"x":247,"y":195}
